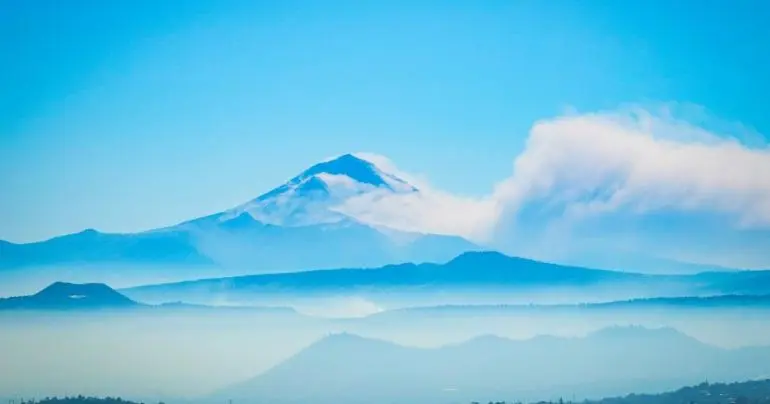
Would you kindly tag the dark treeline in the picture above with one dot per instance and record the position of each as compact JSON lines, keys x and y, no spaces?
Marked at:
{"x":753,"y":392}
{"x":76,"y":400}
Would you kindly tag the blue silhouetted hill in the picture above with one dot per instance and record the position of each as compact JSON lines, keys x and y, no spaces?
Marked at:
{"x":70,"y":296}
{"x":346,"y":368}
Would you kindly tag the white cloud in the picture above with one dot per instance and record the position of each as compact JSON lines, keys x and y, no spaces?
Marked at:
{"x":599,"y":163}
{"x":628,"y":163}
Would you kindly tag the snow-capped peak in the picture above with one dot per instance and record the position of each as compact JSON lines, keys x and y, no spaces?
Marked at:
{"x":366,"y":168}
{"x":309,"y":198}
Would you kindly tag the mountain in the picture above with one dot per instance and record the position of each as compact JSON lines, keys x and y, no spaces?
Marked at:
{"x":349,"y":368}
{"x":70,"y":296}
{"x":296,"y":226}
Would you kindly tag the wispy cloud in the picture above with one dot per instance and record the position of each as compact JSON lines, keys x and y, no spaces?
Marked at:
{"x":430,"y":210}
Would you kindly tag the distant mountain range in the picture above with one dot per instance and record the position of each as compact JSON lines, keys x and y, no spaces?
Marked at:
{"x":70,"y":296}
{"x":472,"y":271}
{"x":73,"y":297}
{"x":349,"y":368}
{"x":295,"y":226}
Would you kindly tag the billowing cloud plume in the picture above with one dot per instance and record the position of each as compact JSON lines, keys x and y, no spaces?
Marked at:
{"x":579,"y":168}
{"x":606,"y":162}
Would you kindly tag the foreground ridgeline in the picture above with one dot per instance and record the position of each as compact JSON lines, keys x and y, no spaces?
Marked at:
{"x":752,"y":392}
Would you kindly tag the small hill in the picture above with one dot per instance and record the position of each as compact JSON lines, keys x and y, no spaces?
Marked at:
{"x":70,"y":296}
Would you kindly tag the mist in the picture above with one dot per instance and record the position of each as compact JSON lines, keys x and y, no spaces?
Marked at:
{"x":159,"y":355}
{"x":178,"y":354}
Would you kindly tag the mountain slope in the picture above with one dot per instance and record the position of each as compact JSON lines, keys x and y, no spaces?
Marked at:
{"x":295,"y":226}
{"x":347,"y":368}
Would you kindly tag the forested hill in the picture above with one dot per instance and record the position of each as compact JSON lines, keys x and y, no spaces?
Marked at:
{"x":753,"y":392}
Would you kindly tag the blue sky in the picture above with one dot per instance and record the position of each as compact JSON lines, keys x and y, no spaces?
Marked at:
{"x":128,"y":115}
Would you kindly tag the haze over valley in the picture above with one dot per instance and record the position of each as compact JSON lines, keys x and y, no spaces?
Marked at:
{"x":384,"y":202}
